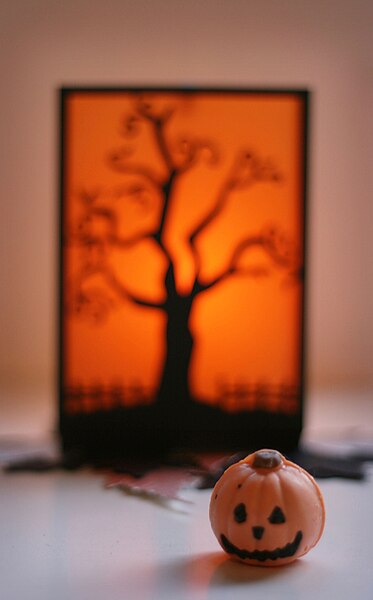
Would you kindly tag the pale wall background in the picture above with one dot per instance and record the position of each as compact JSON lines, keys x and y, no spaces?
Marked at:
{"x":323,"y":45}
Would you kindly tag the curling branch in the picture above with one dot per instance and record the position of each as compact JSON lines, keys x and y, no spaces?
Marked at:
{"x":122,"y":291}
{"x":247,"y":170}
{"x":191,"y":151}
{"x":119,"y":161}
{"x":271,"y":241}
{"x":158,"y":122}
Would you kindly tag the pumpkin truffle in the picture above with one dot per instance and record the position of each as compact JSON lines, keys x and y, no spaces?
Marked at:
{"x":266,"y":510}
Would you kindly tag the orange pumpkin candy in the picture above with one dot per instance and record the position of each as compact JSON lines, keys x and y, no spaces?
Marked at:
{"x":266,"y":510}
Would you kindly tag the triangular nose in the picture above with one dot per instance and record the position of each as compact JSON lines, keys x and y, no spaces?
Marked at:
{"x":258,"y":532}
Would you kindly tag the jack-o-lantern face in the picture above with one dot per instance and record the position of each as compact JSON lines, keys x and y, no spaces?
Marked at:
{"x":265,"y":510}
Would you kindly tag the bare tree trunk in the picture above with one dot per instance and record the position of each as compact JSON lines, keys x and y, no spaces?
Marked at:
{"x":174,"y":387}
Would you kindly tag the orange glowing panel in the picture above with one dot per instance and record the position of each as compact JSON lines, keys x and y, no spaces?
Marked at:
{"x":182,"y":265}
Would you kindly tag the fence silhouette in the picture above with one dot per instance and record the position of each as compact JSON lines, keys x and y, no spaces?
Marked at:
{"x":230,"y":397}
{"x":88,"y":399}
{"x":235,"y":397}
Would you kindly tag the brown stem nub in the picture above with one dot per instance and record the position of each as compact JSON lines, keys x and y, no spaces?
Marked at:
{"x":267,"y":459}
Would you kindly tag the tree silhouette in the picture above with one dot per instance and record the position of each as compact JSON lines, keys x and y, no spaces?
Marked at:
{"x":99,"y":233}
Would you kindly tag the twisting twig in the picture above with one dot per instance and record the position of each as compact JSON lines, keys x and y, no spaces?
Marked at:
{"x":271,"y":241}
{"x":246,"y":170}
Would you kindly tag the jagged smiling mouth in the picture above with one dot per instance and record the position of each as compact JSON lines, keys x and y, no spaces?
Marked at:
{"x":262,"y":555}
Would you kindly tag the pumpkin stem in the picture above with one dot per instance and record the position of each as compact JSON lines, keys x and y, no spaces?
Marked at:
{"x":267,"y":459}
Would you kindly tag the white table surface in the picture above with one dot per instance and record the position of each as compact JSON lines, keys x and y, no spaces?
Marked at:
{"x":64,"y":537}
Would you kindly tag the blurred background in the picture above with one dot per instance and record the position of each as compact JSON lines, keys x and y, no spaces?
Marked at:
{"x":325,"y":46}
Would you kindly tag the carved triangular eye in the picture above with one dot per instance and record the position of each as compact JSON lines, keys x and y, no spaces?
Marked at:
{"x":277,"y":516}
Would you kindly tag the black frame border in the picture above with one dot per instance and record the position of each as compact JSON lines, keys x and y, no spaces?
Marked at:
{"x":66,"y":91}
